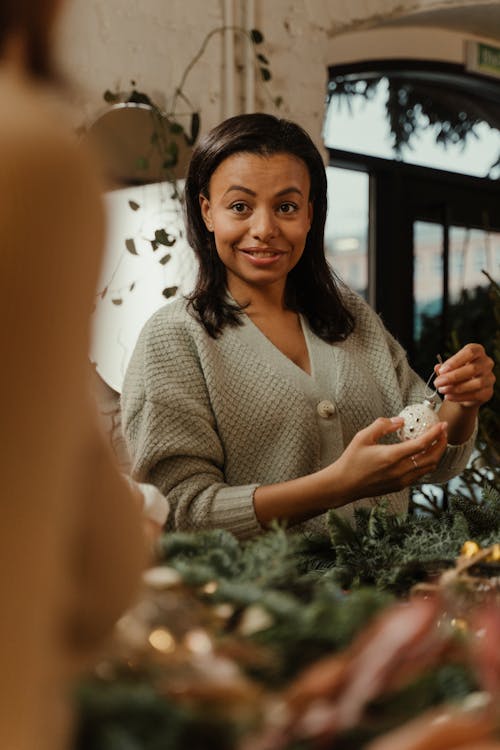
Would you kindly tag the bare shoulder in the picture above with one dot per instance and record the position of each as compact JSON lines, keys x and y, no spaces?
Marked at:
{"x":37,"y":151}
{"x":51,"y":214}
{"x":46,"y":179}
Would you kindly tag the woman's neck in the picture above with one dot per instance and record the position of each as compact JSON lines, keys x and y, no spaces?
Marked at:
{"x":268,"y":299}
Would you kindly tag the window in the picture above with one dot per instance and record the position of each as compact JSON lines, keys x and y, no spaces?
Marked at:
{"x":346,"y":231}
{"x":396,"y":117}
{"x":414,"y":187}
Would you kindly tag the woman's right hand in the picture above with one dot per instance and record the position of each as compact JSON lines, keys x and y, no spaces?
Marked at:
{"x":368,"y":467}
{"x":365,"y":469}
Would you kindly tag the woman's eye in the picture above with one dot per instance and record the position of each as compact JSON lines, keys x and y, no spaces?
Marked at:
{"x":287,"y":208}
{"x":239,"y":208}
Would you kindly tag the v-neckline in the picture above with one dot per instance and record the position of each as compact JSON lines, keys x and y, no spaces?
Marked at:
{"x":275,"y":353}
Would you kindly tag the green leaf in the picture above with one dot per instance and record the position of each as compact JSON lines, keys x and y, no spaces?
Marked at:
{"x":163,"y":238}
{"x":111,"y":97}
{"x":133,"y":205}
{"x":342,"y":532}
{"x":265,"y":74}
{"x":142,"y":162}
{"x":165,"y":259}
{"x":130,"y":245}
{"x":138,"y":97}
{"x":257,"y":36}
{"x":195,"y":129}
{"x":169,"y":291}
{"x":171,"y":155}
{"x":262,"y":59}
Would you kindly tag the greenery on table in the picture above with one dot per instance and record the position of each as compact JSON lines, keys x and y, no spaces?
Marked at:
{"x":312,"y":596}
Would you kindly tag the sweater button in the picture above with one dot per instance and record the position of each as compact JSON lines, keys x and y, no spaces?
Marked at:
{"x":326,"y":409}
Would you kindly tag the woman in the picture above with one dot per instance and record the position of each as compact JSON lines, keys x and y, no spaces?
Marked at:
{"x":267,"y":394}
{"x":71,"y":531}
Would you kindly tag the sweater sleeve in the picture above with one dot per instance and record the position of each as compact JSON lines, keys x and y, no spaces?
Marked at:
{"x":413,"y":388}
{"x":172,"y":436}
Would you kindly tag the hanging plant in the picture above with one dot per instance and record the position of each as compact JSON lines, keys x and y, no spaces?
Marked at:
{"x":168,"y":133}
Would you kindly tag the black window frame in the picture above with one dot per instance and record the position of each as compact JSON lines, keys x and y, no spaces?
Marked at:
{"x":401,"y":193}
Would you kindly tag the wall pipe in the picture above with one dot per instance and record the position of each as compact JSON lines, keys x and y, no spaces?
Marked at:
{"x":249,"y":22}
{"x":229,"y":68}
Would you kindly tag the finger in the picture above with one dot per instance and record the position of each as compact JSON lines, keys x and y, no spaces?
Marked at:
{"x":422,"y":442}
{"x":477,"y":398}
{"x":426,"y":461}
{"x":467,"y":354}
{"x":458,"y":375}
{"x":478,"y":368}
{"x":469,"y":386}
{"x":435,"y":449}
{"x":381,"y":427}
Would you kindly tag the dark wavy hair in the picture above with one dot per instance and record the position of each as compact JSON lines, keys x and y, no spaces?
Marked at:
{"x":311,"y":287}
{"x":33,"y":21}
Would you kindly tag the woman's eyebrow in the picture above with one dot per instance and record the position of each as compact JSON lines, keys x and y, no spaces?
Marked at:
{"x":285,"y":191}
{"x":240,"y":189}
{"x":291,"y":189}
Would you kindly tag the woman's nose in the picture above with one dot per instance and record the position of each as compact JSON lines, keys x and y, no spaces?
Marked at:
{"x":264,"y":225}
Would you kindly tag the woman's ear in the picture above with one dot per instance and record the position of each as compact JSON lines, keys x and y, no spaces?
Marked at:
{"x":206,"y":213}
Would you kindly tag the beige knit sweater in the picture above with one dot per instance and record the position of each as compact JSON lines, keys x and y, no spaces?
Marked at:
{"x":209,"y":420}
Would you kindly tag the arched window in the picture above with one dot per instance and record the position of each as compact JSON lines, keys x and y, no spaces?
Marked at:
{"x":414,"y":192}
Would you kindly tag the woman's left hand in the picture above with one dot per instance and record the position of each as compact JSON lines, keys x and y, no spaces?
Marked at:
{"x":467,"y":377}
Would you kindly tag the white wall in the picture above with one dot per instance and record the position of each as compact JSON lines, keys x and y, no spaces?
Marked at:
{"x":106,"y":43}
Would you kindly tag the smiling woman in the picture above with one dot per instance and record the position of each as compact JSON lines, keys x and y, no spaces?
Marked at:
{"x":259,"y":211}
{"x":266,"y":394}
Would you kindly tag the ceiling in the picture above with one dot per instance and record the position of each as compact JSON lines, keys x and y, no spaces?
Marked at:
{"x":482,"y":19}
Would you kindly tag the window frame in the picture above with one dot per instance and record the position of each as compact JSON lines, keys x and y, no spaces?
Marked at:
{"x":401,"y":193}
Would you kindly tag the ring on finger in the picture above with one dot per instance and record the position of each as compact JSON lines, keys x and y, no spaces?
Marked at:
{"x":414,"y":461}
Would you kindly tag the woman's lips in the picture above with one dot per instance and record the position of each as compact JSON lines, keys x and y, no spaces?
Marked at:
{"x":261,"y":257}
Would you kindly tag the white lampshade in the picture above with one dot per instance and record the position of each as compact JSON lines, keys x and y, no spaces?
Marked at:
{"x":139,"y":274}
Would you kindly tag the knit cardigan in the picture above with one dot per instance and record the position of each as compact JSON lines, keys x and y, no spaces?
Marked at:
{"x":209,"y":420}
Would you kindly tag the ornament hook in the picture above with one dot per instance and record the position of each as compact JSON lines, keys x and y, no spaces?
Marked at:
{"x":430,"y":394}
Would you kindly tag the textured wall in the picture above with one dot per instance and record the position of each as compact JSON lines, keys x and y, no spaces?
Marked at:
{"x":106,"y":43}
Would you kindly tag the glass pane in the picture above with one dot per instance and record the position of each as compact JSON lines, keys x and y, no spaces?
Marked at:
{"x":427,"y":286}
{"x":346,"y":231}
{"x":393,"y":121}
{"x":472,"y":251}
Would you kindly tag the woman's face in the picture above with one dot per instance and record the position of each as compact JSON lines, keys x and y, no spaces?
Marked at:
{"x":260,"y":213}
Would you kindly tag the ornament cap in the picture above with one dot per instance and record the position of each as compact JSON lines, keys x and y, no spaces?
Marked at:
{"x":430,"y":402}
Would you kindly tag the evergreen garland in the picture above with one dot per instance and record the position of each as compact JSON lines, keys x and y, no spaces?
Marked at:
{"x":308,"y":596}
{"x":382,"y":549}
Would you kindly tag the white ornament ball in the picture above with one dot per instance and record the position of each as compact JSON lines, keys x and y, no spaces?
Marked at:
{"x":418,"y":418}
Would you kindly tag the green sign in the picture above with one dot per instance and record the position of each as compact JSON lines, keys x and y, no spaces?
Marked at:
{"x":483,"y":58}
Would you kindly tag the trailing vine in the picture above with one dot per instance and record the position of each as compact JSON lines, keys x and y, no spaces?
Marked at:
{"x":170,"y":116}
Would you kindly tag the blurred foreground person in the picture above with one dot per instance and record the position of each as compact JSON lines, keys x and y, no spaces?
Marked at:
{"x":71,"y":532}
